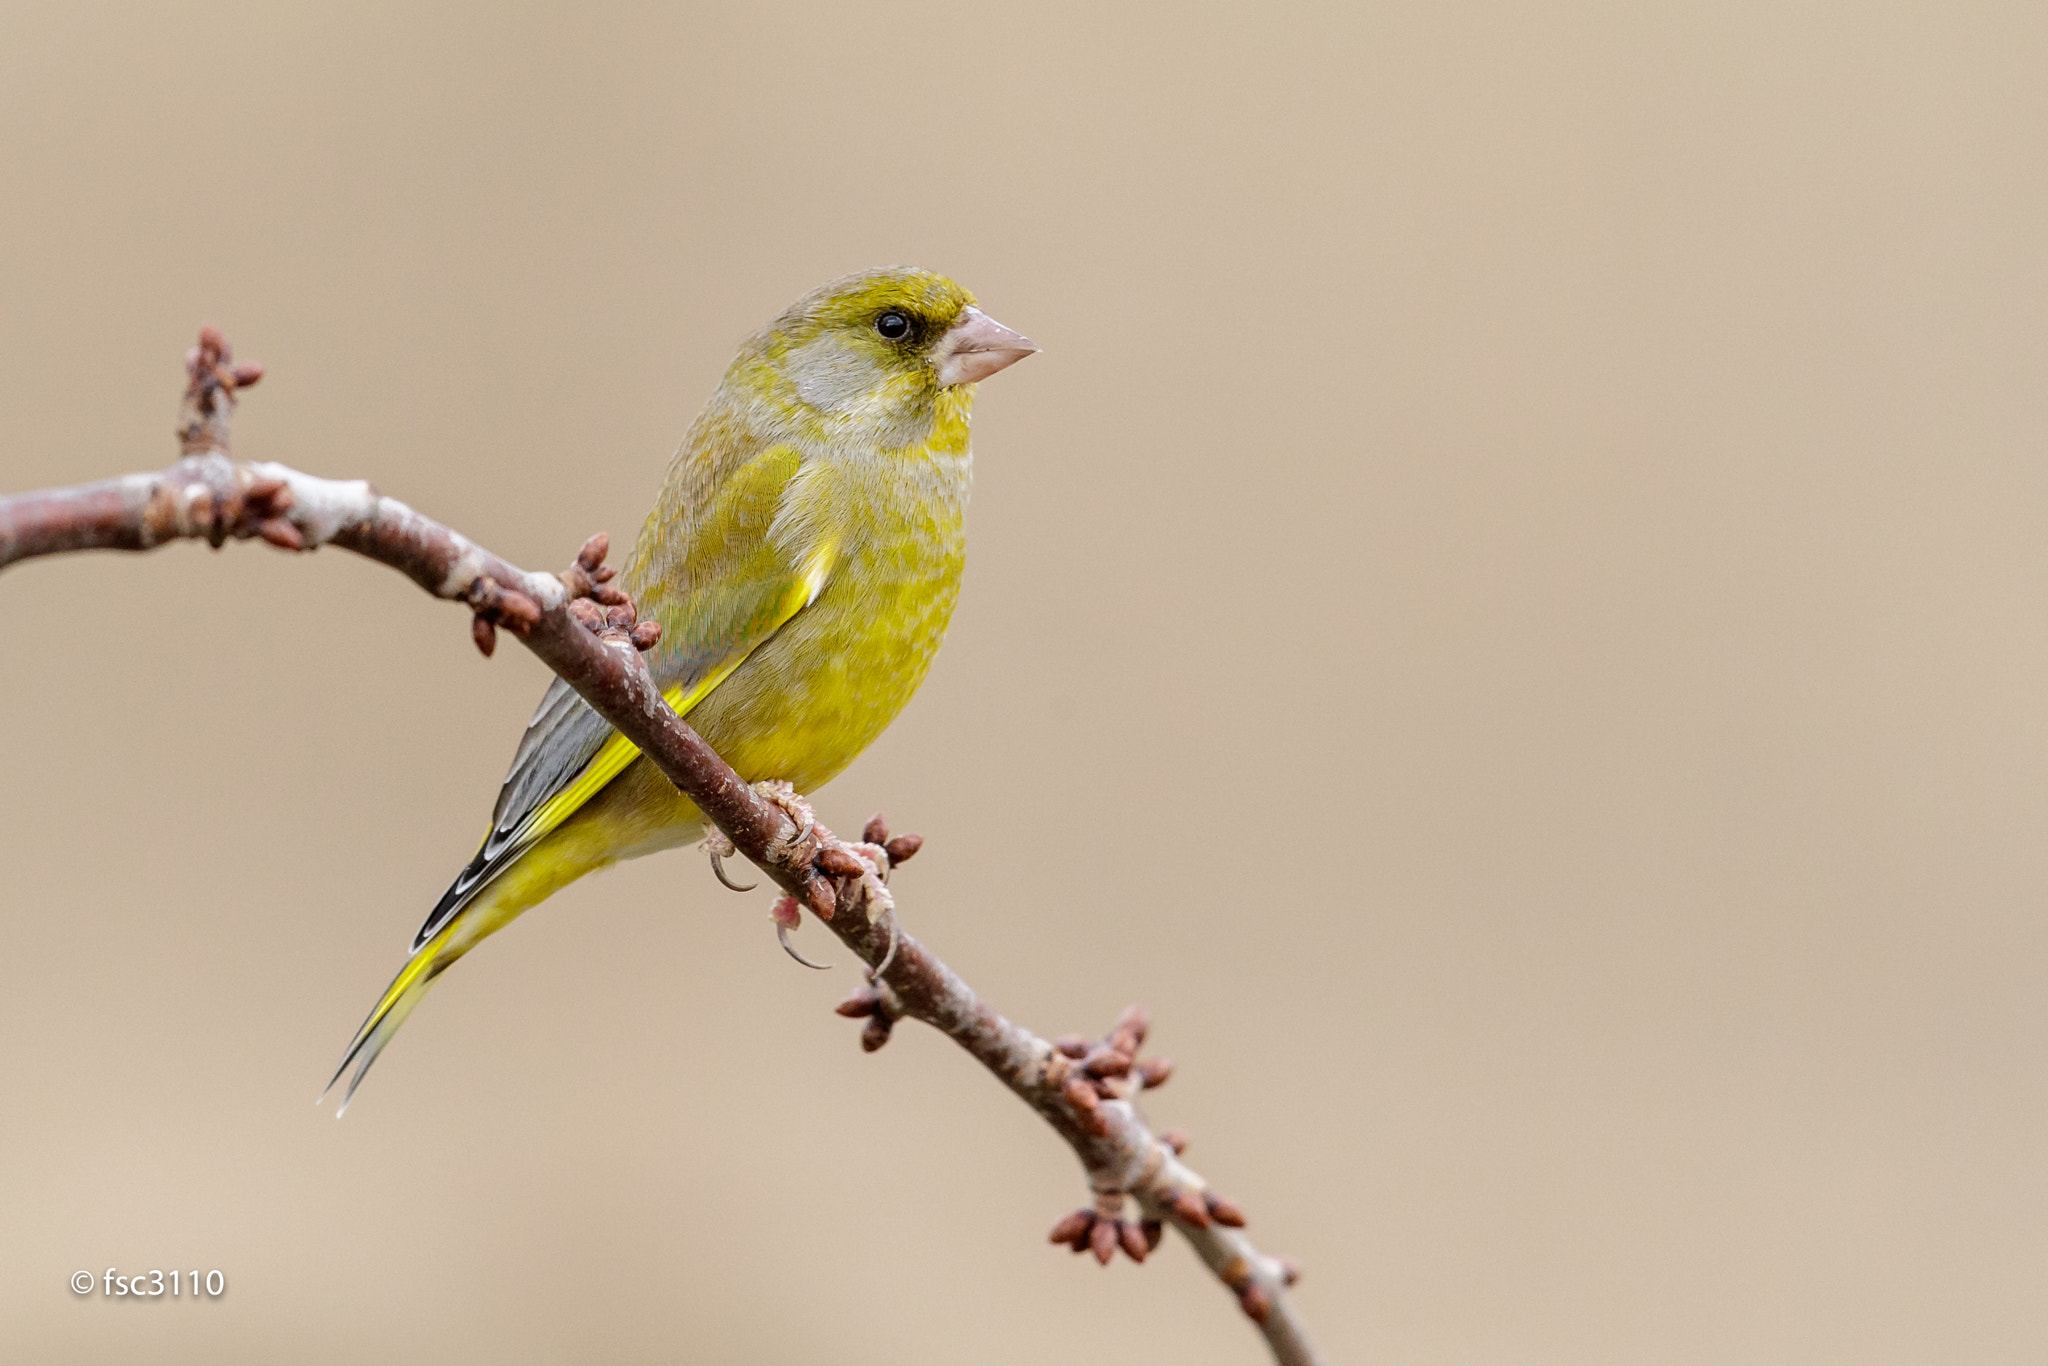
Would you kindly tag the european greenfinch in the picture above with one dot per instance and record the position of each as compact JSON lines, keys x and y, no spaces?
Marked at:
{"x":803,"y":558}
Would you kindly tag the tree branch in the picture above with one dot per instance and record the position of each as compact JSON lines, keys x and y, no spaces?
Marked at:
{"x":587,"y":631}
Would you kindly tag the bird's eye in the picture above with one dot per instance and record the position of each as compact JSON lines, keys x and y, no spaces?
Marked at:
{"x":893,"y":325}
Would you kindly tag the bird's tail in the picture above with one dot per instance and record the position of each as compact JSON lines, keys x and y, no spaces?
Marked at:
{"x":405,"y":992}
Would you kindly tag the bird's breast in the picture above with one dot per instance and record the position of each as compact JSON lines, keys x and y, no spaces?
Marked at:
{"x":816,"y":694}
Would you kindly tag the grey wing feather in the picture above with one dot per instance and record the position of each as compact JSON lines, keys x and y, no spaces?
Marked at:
{"x":560,"y":740}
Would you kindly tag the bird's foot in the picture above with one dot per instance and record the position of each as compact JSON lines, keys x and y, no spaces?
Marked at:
{"x":859,"y":870}
{"x":784,"y":798}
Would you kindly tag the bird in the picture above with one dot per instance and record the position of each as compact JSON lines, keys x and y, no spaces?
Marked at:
{"x":803,"y":558}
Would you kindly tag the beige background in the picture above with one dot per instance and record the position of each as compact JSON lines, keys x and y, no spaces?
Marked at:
{"x":1512,"y":612}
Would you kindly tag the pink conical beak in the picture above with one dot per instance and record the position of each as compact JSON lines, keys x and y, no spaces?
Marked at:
{"x":976,"y":347}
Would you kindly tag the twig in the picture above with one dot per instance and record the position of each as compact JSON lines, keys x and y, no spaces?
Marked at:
{"x":587,"y":631}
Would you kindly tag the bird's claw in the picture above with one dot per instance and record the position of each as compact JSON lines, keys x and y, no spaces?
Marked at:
{"x":720,"y":847}
{"x":875,"y":974}
{"x":782,"y":938}
{"x":718,"y":871}
{"x":787,"y":917}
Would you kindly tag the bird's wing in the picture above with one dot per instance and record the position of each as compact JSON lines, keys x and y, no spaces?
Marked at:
{"x":741,"y":576}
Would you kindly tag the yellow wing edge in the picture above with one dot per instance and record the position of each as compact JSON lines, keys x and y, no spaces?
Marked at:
{"x":617,"y":752}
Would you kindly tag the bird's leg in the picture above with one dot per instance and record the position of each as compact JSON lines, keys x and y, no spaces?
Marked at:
{"x":786,"y":850}
{"x":719,"y":845}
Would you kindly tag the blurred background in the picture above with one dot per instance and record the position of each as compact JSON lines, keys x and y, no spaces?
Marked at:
{"x":1511,"y":612}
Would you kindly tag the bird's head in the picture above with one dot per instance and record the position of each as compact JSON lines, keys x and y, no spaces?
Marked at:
{"x":885,"y":348}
